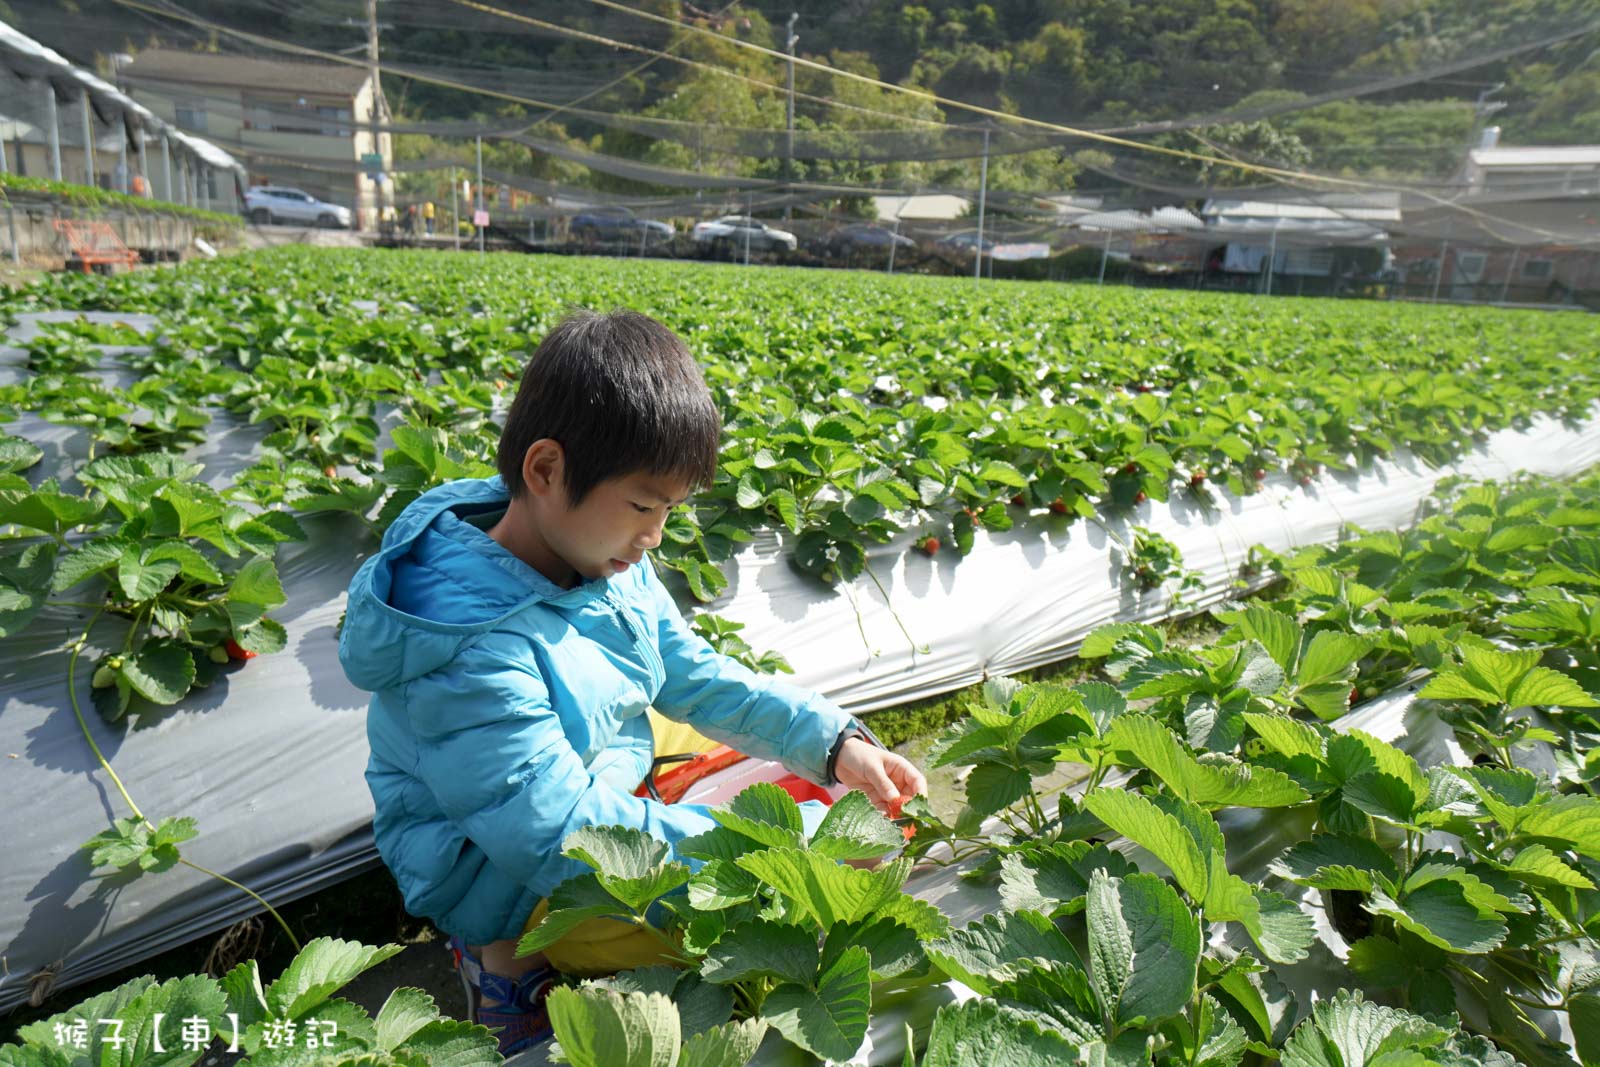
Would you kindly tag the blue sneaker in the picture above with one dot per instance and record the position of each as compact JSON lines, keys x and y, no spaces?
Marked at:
{"x":514,"y":1007}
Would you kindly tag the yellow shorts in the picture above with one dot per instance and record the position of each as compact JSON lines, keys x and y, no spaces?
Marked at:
{"x":606,"y":946}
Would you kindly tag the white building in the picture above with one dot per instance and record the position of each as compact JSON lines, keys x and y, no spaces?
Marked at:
{"x":300,"y":124}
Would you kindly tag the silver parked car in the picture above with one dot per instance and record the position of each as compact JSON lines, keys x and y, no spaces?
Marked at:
{"x":731,"y":231}
{"x":275,"y":203}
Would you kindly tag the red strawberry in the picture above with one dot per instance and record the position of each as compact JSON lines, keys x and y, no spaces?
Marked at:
{"x":237,"y":651}
{"x":1354,"y":695}
{"x":1141,"y":388}
{"x":1198,"y":478}
{"x":1305,"y":479}
{"x":1018,"y":502}
{"x":1058,"y":506}
{"x":1139,"y":497}
{"x":1130,"y":468}
{"x":331,"y":471}
{"x":930,"y":545}
{"x":1261,"y":475}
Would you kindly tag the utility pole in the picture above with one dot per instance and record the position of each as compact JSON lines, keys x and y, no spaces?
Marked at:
{"x":788,"y":167}
{"x":480,"y":212}
{"x":983,"y":194}
{"x":375,"y":111}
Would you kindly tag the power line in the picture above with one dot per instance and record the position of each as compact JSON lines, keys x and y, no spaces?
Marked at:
{"x":173,"y":11}
{"x":943,"y":101}
{"x":1275,"y":172}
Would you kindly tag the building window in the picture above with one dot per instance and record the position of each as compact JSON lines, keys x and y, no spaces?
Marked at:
{"x":297,"y":115}
{"x":341,"y":113}
{"x":191,"y":115}
{"x":1538,"y":270}
{"x":1471,"y":264}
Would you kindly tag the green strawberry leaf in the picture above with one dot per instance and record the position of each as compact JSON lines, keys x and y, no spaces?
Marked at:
{"x":822,"y":889}
{"x":602,"y":1028}
{"x":629,"y":864}
{"x":1144,"y":944}
{"x":829,"y":1020}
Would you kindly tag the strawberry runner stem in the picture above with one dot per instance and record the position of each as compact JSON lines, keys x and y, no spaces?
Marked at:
{"x":77,"y":710}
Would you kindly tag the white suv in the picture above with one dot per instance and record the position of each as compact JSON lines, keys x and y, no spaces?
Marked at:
{"x":730,"y":232}
{"x":271,"y":203}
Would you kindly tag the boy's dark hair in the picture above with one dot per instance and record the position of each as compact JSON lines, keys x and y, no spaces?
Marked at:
{"x":620,"y":393}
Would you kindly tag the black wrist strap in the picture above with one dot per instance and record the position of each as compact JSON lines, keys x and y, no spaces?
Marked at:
{"x":853,"y":730}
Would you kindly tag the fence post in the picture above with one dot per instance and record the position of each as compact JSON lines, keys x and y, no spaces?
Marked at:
{"x":52,"y":122}
{"x":983,"y":196}
{"x":1510,"y":270}
{"x":88,"y":138}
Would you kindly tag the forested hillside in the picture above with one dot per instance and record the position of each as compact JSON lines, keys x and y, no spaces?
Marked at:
{"x":1398,"y":79}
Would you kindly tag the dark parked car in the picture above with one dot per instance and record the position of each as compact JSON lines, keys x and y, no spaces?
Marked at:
{"x":862,"y":236}
{"x":617,"y":224}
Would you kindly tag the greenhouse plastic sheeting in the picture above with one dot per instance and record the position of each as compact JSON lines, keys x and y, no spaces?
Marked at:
{"x":269,"y":759}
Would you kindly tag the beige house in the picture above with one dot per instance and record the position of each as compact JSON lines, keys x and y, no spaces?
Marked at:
{"x":298,"y":124}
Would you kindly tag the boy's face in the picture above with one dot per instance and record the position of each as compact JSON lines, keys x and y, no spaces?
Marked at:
{"x":616,"y":523}
{"x":610,"y":530}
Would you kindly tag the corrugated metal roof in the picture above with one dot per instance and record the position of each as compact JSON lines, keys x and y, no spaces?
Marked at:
{"x":1376,"y":207}
{"x":934,"y":206}
{"x":246,"y":72}
{"x":1537,"y":156}
{"x":1161,"y":219}
{"x":28,"y":57}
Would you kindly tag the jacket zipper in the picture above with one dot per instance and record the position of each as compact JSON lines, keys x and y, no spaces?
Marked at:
{"x":652,"y":658}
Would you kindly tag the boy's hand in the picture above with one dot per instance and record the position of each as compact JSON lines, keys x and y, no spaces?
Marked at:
{"x":887,"y":779}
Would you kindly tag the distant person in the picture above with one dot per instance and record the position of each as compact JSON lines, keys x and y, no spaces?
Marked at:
{"x":140,"y":187}
{"x":427,"y":216}
{"x":411,"y":219}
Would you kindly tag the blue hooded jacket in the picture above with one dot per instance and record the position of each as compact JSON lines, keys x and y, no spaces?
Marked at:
{"x":508,"y":712}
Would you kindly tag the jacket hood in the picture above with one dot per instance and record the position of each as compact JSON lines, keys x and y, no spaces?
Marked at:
{"x":436,"y":584}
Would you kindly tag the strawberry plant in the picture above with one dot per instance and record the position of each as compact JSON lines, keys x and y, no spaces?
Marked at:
{"x":779,"y":928}
{"x":1153,"y":562}
{"x":859,"y":412}
{"x":633,"y":1020}
{"x":723,"y":635}
{"x":143,"y":1023}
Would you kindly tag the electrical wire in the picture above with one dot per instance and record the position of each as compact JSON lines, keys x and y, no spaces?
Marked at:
{"x":1280,"y":173}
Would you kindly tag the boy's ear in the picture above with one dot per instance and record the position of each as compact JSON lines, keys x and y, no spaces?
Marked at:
{"x":542,"y":467}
